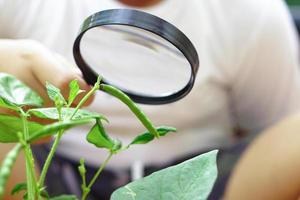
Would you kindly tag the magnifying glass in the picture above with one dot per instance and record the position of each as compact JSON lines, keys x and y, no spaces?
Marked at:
{"x":146,"y":57}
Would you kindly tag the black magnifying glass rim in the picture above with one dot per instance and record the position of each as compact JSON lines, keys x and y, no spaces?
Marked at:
{"x":148,"y":22}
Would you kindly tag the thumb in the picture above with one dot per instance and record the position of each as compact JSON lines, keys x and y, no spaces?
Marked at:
{"x":58,"y":71}
{"x":74,"y":74}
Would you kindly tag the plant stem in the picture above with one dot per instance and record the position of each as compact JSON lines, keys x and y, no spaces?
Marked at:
{"x":87,"y":190}
{"x":49,"y":158}
{"x":60,"y":133}
{"x":30,"y":173}
{"x":51,"y":153}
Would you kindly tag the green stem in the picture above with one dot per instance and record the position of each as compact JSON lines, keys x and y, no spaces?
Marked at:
{"x":49,"y":158}
{"x":132,"y":106}
{"x":88,"y":189}
{"x":57,"y":139}
{"x":30,"y":173}
{"x":51,"y":153}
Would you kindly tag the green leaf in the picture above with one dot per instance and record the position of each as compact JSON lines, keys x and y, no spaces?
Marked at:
{"x":190,"y":180}
{"x":10,"y":126}
{"x":143,"y":138}
{"x":147,"y":137}
{"x":54,"y":93}
{"x":74,"y":91}
{"x":14,"y":93}
{"x":18,"y":188}
{"x":52,"y":113}
{"x":98,"y":137}
{"x":64,"y":197}
{"x":6,"y":104}
{"x":164,"y":130}
{"x":51,"y":129}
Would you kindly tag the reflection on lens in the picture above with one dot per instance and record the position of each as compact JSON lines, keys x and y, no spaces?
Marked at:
{"x":135,"y":60}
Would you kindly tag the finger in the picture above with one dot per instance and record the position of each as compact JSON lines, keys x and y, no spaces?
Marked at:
{"x":78,"y":76}
{"x":83,"y":86}
{"x":56,"y":70}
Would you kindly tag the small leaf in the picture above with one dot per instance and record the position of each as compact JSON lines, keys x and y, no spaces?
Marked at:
{"x":74,"y":91}
{"x":54,"y":93}
{"x":14,"y":93}
{"x":143,"y":138}
{"x":164,"y":130}
{"x":64,"y":197}
{"x":10,"y":126}
{"x":18,"y":188}
{"x":98,"y":137}
{"x":147,"y":137}
{"x":190,"y":180}
{"x":52,"y":129}
{"x":52,"y":113}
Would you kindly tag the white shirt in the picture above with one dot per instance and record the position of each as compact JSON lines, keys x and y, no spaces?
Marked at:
{"x":248,"y":76}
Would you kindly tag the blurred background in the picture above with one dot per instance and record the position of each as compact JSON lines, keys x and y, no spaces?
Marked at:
{"x":294,"y":6}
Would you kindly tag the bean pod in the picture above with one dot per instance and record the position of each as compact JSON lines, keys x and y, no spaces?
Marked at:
{"x":132,"y":106}
{"x":7,"y":166}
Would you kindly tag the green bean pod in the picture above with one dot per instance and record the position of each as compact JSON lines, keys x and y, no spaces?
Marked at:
{"x":132,"y":106}
{"x":7,"y":166}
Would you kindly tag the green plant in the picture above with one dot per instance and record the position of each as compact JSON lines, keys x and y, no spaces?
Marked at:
{"x":16,"y":96}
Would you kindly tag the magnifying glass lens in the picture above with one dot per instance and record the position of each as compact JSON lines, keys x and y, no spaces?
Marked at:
{"x":135,"y":60}
{"x":145,"y":56}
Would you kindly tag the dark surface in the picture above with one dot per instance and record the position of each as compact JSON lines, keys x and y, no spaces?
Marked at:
{"x":295,"y":11}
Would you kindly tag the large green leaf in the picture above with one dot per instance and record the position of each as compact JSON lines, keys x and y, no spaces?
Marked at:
{"x":52,"y":129}
{"x":10,"y":126}
{"x":190,"y":180}
{"x":14,"y":93}
{"x":52,"y":113}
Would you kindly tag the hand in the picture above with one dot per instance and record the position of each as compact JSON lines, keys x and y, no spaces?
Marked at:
{"x":34,"y":64}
